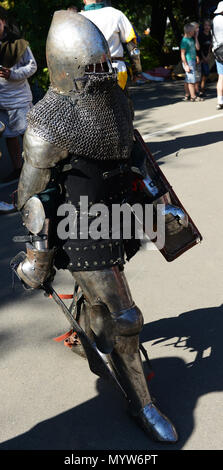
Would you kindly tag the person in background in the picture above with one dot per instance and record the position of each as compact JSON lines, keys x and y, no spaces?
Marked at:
{"x":73,"y":8}
{"x":5,"y":207}
{"x":188,"y":57}
{"x":198,"y":60}
{"x":205,"y":41}
{"x":217,"y":41}
{"x":17,"y":64}
{"x":118,"y":31}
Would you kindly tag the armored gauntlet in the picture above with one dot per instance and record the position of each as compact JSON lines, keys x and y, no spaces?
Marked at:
{"x":37,"y":266}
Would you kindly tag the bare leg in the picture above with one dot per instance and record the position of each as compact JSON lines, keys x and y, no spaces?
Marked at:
{"x":220,"y":89}
{"x":186,"y":89}
{"x":192,"y":90}
{"x":197,"y":87}
{"x":203,"y":82}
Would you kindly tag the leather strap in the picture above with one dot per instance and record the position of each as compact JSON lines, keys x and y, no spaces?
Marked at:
{"x":114,"y":59}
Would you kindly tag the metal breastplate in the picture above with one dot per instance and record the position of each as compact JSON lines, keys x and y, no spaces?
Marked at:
{"x":96,"y":123}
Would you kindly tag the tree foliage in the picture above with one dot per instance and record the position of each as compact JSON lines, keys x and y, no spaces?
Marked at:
{"x":34,"y":17}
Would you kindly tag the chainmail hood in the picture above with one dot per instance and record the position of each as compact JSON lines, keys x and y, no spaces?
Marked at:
{"x":96,"y":123}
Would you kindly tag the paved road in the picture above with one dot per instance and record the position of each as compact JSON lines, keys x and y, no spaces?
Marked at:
{"x":49,"y":399}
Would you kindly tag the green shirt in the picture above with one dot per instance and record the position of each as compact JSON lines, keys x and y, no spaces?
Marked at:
{"x":94,"y":6}
{"x":189,"y":45}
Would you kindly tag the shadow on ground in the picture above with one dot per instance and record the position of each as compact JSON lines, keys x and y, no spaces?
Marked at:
{"x":102,"y":423}
{"x":155,"y":94}
{"x":176,"y":145}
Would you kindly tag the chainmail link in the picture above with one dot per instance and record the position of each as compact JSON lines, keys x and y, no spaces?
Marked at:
{"x":96,"y":124}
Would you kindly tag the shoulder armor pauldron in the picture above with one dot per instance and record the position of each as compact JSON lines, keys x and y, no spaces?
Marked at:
{"x":39,"y":153}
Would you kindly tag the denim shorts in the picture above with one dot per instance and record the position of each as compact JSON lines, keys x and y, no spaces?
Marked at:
{"x":219,"y":66}
{"x":198,"y":73}
{"x":190,"y":77}
{"x":14,"y":120}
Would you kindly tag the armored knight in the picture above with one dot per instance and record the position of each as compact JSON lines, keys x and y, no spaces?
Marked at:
{"x":79,"y":143}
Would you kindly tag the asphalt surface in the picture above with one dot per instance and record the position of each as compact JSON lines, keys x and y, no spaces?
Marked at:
{"x":48,"y":397}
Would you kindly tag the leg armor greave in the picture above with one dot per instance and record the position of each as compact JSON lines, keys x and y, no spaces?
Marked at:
{"x":116,"y":322}
{"x":127,"y":365}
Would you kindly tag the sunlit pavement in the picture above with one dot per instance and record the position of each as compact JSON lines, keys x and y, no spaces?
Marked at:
{"x":49,"y":398}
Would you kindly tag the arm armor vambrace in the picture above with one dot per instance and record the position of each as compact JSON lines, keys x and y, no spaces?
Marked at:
{"x":33,"y":215}
{"x":134,"y":56}
{"x":40,"y":156}
{"x":38,"y":264}
{"x":32,"y":181}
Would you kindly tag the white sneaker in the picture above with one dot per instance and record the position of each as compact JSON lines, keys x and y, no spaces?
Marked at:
{"x":5,"y":207}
